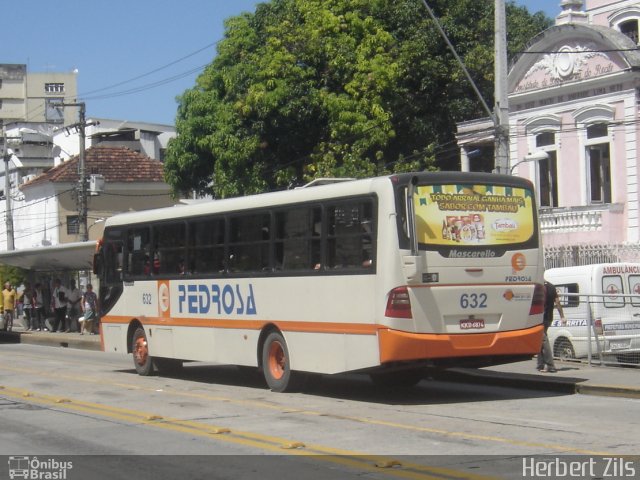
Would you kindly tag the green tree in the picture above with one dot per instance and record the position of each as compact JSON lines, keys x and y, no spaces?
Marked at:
{"x":14,"y":275}
{"x":308,"y":88}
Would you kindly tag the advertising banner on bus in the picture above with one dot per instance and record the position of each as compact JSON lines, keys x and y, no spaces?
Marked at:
{"x":473,"y":215}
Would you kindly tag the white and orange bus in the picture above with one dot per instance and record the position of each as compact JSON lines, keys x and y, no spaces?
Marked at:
{"x":385,"y":275}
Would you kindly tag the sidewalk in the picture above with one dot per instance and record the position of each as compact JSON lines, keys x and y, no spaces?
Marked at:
{"x":58,"y":339}
{"x":571,"y":377}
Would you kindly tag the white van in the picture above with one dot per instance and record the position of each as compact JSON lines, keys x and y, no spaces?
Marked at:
{"x":609,"y":295}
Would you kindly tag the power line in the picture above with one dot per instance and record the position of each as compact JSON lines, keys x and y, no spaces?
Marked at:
{"x":151,"y":72}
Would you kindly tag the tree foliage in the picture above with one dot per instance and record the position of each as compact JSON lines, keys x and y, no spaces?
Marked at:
{"x":14,"y":275}
{"x":302,"y":89}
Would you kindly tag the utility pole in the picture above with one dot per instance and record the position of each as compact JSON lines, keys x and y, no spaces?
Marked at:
{"x":500,"y":114}
{"x":82,"y":187}
{"x":7,"y":196}
{"x":501,"y":108}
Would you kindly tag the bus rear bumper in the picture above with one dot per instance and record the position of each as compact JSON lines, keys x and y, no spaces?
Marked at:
{"x":396,"y":346}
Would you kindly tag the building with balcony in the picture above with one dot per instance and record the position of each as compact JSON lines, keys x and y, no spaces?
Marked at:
{"x":574,"y":101}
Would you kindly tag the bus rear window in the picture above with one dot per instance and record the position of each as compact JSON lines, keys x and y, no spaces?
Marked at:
{"x":474,"y":215}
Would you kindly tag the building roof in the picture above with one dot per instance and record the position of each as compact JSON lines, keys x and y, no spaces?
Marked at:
{"x":115,"y":164}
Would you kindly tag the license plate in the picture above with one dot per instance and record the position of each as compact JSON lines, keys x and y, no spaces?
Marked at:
{"x":620,"y":344}
{"x":472,"y":324}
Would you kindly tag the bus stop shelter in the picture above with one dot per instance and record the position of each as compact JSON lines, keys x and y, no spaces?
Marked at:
{"x":66,"y":257}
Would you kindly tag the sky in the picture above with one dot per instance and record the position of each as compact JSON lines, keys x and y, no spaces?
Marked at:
{"x":133,"y":57}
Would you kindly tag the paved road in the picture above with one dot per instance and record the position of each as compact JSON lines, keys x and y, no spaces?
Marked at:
{"x":62,"y":401}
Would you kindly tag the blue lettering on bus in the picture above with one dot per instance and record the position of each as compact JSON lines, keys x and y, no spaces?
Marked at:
{"x":228,"y":299}
{"x":192,"y":299}
{"x":202,"y":299}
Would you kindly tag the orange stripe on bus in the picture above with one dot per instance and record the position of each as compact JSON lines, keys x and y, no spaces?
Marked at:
{"x":286,"y":326}
{"x":398,"y":346}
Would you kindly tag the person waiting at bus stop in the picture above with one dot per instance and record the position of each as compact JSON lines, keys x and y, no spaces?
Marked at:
{"x":8,"y":305}
{"x":59,"y":306}
{"x":551,"y":301}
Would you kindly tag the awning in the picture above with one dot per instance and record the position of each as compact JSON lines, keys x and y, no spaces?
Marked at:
{"x":63,"y":257}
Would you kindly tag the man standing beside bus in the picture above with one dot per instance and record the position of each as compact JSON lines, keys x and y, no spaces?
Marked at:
{"x":551,"y":301}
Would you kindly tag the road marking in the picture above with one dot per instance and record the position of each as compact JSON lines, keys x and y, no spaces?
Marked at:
{"x":354,"y":460}
{"x":280,"y":408}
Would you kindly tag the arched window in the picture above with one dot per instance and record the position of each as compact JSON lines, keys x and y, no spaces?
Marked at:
{"x":598,"y":158}
{"x":626,"y":21}
{"x":547,"y":170}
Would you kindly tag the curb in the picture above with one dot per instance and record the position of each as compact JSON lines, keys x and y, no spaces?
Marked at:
{"x":64,"y":340}
{"x":608,"y":391}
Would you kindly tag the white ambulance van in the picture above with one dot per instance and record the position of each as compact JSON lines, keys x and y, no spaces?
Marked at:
{"x":608,"y":294}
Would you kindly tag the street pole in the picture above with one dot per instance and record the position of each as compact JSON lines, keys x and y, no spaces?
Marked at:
{"x":7,"y":196}
{"x":501,"y":108}
{"x":82,"y":210}
{"x":82,"y":187}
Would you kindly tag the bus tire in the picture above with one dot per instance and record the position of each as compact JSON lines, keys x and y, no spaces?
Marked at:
{"x":276,"y":364}
{"x":168,"y":365}
{"x":140,"y":349}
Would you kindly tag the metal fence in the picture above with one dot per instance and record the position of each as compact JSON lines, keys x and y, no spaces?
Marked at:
{"x":574,"y":255}
{"x":602,"y":329}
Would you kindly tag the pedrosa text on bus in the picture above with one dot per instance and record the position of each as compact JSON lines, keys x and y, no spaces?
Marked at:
{"x":202,"y":299}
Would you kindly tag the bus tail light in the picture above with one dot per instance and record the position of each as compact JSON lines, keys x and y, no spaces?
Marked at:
{"x":597,"y":326}
{"x":537,"y":302}
{"x":398,"y":303}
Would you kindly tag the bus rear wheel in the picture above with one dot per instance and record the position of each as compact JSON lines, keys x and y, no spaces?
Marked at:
{"x":140,"y":349}
{"x":276,"y":364}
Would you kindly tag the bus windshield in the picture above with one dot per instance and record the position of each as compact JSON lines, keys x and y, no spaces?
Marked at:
{"x":450,"y":215}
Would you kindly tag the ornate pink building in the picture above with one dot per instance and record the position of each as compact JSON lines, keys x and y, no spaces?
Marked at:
{"x":574,"y":98}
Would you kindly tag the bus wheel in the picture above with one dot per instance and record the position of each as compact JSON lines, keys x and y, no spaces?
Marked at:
{"x":276,"y":364}
{"x":564,"y":350}
{"x":140,"y":349}
{"x":397,"y":379}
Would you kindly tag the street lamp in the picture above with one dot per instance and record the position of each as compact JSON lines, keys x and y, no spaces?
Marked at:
{"x":536,"y":156}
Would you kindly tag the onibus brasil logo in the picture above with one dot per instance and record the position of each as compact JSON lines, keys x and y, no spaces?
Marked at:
{"x":38,"y":469}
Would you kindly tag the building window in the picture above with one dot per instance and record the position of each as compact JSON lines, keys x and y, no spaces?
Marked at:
{"x":54,"y":87}
{"x":547,"y":171}
{"x":73,"y":225}
{"x":630,"y":29}
{"x":599,"y":164}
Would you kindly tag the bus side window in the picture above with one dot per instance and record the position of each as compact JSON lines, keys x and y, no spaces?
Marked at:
{"x":169,"y":254}
{"x":350,"y":236}
{"x":297,"y":245}
{"x":206,"y":246}
{"x":249,"y":243}
{"x":138,"y":250}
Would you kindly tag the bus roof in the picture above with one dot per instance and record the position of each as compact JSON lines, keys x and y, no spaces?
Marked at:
{"x":320,"y":192}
